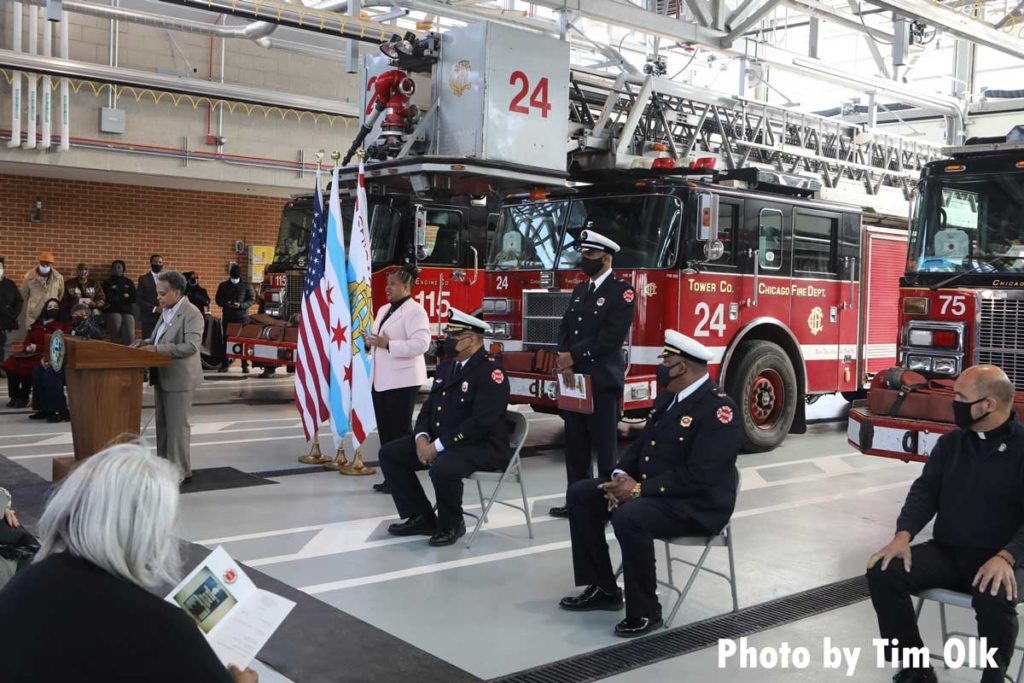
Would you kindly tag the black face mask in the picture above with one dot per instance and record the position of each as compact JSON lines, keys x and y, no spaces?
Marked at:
{"x":665,"y":375}
{"x":50,"y":313}
{"x":118,"y":272}
{"x":156,"y":268}
{"x":446,"y":348}
{"x":591,"y":266}
{"x":962,"y":413}
{"x":193,"y":283}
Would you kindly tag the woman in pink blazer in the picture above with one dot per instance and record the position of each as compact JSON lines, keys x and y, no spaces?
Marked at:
{"x":401,"y":335}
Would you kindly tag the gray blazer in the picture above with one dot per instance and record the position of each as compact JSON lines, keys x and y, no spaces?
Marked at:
{"x":181,"y":341}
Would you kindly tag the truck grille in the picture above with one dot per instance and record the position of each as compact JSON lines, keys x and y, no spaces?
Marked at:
{"x":542,"y":314}
{"x":1001,"y":333}
{"x":293,"y":295}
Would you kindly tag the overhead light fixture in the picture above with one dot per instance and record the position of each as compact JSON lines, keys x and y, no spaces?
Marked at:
{"x":390,"y":48}
{"x":407,"y":45}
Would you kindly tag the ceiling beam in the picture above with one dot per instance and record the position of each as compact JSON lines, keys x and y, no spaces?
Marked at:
{"x":636,"y":18}
{"x":959,"y":25}
{"x":754,"y":17}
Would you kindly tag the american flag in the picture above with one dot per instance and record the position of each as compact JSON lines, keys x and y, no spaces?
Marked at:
{"x":312,"y":383}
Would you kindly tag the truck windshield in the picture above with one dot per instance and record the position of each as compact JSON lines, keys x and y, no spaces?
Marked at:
{"x":297,"y":218}
{"x":969,"y":223}
{"x":528,"y":236}
{"x":646,"y":228}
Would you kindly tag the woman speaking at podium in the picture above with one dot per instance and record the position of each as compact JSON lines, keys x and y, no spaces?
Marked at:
{"x":178,"y":334}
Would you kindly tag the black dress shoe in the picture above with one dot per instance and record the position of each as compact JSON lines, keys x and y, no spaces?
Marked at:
{"x":561,"y":511}
{"x":420,"y":525}
{"x":11,"y":403}
{"x":916,"y":676}
{"x":54,"y":418}
{"x":593,"y":598}
{"x":443,"y":538}
{"x":39,"y":415}
{"x":637,"y":626}
{"x":23,"y":403}
{"x":382,"y":487}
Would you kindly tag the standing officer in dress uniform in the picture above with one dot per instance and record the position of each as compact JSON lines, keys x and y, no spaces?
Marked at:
{"x":677,"y":479}
{"x":460,"y":429}
{"x":590,"y":340}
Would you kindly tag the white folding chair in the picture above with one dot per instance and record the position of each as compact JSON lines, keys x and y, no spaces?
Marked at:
{"x":512,"y":474}
{"x":947,"y":597}
{"x":720,"y":540}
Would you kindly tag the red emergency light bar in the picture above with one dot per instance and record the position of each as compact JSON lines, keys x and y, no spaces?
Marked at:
{"x":663,"y":162}
{"x":705,"y":163}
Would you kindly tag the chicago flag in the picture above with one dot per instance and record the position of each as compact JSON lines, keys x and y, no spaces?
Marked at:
{"x":339,"y":334}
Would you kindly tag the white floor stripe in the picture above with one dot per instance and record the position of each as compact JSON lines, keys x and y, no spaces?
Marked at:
{"x":293,"y":437}
{"x":198,"y":429}
{"x":328,"y":586}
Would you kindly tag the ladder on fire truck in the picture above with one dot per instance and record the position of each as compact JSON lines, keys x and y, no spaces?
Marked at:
{"x":615,"y":121}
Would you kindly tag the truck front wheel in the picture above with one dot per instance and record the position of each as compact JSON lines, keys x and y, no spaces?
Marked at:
{"x":763,"y":384}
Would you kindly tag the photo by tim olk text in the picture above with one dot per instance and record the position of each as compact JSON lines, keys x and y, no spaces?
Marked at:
{"x":957,"y":653}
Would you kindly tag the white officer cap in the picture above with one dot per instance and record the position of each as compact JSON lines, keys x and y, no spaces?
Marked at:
{"x":678,"y":344}
{"x":590,"y":239}
{"x":464,"y":322}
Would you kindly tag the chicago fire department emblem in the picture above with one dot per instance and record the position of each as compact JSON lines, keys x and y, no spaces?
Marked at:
{"x":498,"y":376}
{"x":627,"y":296}
{"x":724,"y":414}
{"x":458,"y":80}
{"x":816,"y":320}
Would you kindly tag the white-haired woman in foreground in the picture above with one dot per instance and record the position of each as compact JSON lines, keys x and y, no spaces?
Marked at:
{"x":82,"y":612}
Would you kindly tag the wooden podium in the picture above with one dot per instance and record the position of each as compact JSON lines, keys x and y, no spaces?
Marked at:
{"x":104,"y":384}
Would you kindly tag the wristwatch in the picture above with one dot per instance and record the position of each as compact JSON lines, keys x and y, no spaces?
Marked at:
{"x":635,"y":492}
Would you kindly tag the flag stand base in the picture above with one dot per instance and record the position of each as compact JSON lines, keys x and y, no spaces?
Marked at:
{"x":315,"y":456}
{"x":339,"y":461}
{"x":357,"y":468}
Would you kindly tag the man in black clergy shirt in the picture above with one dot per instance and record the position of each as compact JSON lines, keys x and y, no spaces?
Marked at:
{"x":677,"y":479}
{"x":460,"y":429}
{"x":973,"y":484}
{"x":590,"y":339}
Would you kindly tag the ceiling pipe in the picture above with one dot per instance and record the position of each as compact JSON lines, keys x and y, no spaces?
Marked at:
{"x":65,"y":68}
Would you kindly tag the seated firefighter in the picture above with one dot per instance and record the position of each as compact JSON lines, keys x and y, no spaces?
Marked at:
{"x":677,"y":479}
{"x":460,"y":430}
{"x":973,"y":485}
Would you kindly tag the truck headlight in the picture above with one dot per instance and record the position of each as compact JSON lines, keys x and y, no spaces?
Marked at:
{"x":919,"y":363}
{"x":945,"y":366}
{"x":500,"y":330}
{"x":497,"y":305}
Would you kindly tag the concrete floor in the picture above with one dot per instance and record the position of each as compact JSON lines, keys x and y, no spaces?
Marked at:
{"x":809,"y":513}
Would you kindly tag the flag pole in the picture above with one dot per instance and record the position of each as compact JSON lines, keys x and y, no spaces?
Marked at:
{"x":357,"y":468}
{"x":340,"y":460}
{"x":315,"y":455}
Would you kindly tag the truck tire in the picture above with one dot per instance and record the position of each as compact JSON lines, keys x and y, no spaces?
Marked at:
{"x":763,"y":384}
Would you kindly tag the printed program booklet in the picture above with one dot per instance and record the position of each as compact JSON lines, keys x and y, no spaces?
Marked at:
{"x":236,"y":617}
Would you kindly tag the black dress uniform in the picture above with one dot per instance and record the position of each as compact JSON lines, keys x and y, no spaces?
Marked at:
{"x":685,"y":463}
{"x":593,"y":330}
{"x":465,"y":411}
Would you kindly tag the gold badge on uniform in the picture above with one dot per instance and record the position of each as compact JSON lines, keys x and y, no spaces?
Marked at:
{"x":465,"y":387}
{"x":600,"y":302}
{"x":685,"y":421}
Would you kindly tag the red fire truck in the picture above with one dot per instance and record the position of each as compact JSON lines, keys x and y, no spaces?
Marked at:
{"x":795,"y":296}
{"x":961,"y":298}
{"x":454,"y":237}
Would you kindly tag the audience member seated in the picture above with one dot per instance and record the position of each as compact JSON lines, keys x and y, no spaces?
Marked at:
{"x":973,"y":485}
{"x":83,"y":611}
{"x":48,"y":400}
{"x":19,"y":366}
{"x":460,"y":429}
{"x":677,"y":479}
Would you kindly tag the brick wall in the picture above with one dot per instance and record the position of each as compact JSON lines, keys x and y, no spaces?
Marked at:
{"x":99,"y":222}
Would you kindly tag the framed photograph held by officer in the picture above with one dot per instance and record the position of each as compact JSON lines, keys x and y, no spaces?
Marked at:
{"x":577,"y":394}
